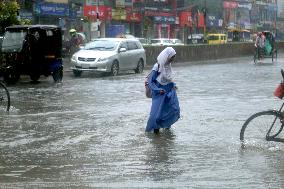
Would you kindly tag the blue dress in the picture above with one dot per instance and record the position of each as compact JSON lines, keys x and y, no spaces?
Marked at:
{"x":165,"y":110}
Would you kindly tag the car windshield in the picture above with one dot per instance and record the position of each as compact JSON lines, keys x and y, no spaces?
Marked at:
{"x":213,"y":37}
{"x":142,"y":40}
{"x":13,"y":39}
{"x":177,"y":41}
{"x":102,"y":45}
{"x":156,"y":41}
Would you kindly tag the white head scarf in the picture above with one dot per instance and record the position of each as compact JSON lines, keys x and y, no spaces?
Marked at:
{"x":165,"y":68}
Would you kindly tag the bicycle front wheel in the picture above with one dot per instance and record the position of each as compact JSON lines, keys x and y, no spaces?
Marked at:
{"x":4,"y":98}
{"x":262,"y":126}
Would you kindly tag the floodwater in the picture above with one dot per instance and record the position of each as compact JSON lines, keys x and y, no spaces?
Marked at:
{"x":88,"y":132}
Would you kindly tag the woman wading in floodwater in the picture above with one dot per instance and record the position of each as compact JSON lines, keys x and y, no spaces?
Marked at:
{"x":165,"y":110}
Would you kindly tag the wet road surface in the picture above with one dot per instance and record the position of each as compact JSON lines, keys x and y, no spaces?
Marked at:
{"x":88,"y":132}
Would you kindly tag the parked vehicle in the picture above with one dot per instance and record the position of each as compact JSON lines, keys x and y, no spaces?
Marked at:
{"x":143,"y":41}
{"x":33,"y":50}
{"x":216,"y":38}
{"x":195,"y":39}
{"x":177,"y":41}
{"x":110,"y":55}
{"x":239,"y":35}
{"x":161,"y":42}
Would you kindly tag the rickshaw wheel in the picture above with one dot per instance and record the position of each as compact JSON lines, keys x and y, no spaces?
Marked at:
{"x":34,"y":77}
{"x":11,"y":77}
{"x":58,"y":75}
{"x":255,"y":58}
{"x":274,"y":55}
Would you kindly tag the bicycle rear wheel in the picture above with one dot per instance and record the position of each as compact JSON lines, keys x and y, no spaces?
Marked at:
{"x":261,"y":126}
{"x":4,"y":98}
{"x":255,"y":57}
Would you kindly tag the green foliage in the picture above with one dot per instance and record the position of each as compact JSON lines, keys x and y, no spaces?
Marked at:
{"x":25,"y":22}
{"x":8,"y":14}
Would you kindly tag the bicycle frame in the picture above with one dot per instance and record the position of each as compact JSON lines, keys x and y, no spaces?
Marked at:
{"x":268,"y":137}
{"x":272,"y":137}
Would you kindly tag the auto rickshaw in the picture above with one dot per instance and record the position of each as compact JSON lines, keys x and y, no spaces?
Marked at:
{"x":32,"y":50}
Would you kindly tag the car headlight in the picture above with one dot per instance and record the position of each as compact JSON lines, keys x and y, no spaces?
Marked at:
{"x":104,"y":59}
{"x":73,"y":58}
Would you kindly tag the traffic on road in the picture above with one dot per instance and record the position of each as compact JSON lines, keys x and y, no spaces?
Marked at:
{"x":90,"y":131}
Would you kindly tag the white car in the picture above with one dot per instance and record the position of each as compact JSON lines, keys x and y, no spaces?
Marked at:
{"x":161,"y":42}
{"x":177,"y":41}
{"x":109,"y":55}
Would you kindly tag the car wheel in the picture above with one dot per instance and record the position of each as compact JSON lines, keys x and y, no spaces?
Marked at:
{"x":114,"y":68}
{"x":58,"y":75}
{"x":77,"y":73}
{"x":140,"y":67}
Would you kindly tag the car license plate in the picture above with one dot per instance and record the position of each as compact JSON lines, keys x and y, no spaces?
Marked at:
{"x":85,"y":65}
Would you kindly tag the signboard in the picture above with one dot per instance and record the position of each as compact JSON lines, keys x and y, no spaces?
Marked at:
{"x":104,"y":12}
{"x":230,"y":5}
{"x":114,"y":30}
{"x":214,"y":21}
{"x":120,"y":3}
{"x":57,"y":1}
{"x":133,"y":16}
{"x":185,"y":19}
{"x":118,"y":14}
{"x":165,"y":19}
{"x":52,"y":9}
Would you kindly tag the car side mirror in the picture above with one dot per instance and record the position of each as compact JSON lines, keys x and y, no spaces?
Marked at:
{"x":122,"y":49}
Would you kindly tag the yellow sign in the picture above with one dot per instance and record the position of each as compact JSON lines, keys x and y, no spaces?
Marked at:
{"x":118,"y":14}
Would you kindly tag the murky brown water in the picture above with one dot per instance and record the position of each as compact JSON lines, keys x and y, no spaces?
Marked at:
{"x":89,"y":132}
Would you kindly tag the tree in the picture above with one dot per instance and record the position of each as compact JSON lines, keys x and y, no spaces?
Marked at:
{"x":8,"y":14}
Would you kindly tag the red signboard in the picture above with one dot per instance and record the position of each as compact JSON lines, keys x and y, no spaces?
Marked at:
{"x":132,"y":16}
{"x":230,"y":5}
{"x":185,"y":19}
{"x":201,"y":21}
{"x":104,"y":12}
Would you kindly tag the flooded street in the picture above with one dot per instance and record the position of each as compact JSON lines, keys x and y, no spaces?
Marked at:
{"x":89,"y":132}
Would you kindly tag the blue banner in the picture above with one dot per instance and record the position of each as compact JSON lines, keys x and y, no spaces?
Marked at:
{"x":52,"y":9}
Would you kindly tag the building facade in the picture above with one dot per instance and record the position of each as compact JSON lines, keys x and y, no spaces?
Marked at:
{"x":154,"y":18}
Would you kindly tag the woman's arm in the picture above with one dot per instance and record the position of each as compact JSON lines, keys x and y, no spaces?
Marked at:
{"x":152,"y":85}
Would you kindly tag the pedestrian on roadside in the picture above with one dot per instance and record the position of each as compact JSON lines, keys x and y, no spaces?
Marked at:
{"x":165,"y":110}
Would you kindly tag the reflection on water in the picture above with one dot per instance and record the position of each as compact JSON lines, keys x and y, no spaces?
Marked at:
{"x":160,"y":156}
{"x":90,"y":132}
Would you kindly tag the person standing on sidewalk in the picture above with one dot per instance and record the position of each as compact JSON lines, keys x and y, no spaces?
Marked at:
{"x":165,"y":110}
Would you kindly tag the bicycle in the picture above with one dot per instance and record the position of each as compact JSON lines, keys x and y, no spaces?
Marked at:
{"x":265,"y":125}
{"x":4,"y":97}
